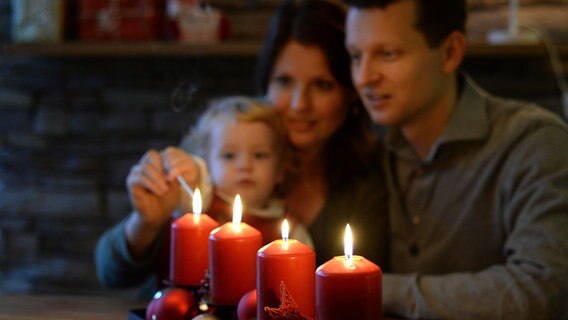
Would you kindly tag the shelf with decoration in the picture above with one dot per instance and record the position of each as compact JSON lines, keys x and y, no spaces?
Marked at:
{"x":117,"y":49}
{"x":225,"y":48}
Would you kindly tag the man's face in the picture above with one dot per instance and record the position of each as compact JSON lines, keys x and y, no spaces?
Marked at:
{"x":398,"y":77}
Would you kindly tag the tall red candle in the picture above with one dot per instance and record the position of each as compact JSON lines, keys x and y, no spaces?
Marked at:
{"x":291,"y":262}
{"x":232,"y":259}
{"x":189,"y":251}
{"x":348,"y":287}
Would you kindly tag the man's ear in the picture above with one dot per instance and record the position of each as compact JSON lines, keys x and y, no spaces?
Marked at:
{"x":453,"y":49}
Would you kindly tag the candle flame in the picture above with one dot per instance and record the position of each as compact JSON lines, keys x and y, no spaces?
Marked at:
{"x":237,"y":211}
{"x":197,"y":206}
{"x":348,"y":243}
{"x":285,"y":230}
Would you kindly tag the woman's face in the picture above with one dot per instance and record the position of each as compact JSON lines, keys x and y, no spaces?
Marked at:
{"x":312,"y":102}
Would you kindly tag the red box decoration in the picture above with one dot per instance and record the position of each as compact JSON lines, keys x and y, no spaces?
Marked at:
{"x":120,"y":19}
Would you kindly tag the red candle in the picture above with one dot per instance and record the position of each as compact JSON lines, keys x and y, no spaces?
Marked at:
{"x":348,"y":287}
{"x":189,"y":252}
{"x":291,"y":262}
{"x":232,"y":259}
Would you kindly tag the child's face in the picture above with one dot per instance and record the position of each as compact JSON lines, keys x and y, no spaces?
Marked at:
{"x":243,"y":160}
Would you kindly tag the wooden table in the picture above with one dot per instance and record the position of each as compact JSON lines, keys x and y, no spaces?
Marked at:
{"x":36,"y":307}
{"x":59,"y":307}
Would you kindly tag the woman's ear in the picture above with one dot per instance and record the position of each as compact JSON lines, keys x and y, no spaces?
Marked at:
{"x":453,"y":50}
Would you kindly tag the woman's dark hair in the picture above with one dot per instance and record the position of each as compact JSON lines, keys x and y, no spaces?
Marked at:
{"x":321,"y":23}
{"x":436,"y":20}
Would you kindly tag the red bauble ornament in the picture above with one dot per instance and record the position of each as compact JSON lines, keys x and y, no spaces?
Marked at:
{"x":247,"y":306}
{"x":172,"y":304}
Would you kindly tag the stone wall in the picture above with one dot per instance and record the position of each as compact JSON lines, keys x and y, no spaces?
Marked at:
{"x":69,"y":131}
{"x":70,"y":128}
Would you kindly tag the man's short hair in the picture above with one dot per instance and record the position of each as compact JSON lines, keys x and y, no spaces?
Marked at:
{"x":436,"y":20}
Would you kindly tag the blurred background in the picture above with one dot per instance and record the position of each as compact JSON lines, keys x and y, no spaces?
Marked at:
{"x":87,"y":86}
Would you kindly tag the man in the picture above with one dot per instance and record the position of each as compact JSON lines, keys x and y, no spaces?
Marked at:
{"x":478,"y":185}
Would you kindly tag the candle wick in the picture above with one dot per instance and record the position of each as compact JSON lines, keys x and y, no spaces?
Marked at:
{"x":348,"y":257}
{"x":349,"y":261}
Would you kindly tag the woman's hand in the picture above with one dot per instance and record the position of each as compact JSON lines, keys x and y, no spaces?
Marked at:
{"x":155,"y":193}
{"x":178,"y":162}
{"x":152,"y":195}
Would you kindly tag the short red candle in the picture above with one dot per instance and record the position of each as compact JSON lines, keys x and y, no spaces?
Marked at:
{"x":189,"y":251}
{"x":348,"y":287}
{"x":232,"y":259}
{"x":291,"y":262}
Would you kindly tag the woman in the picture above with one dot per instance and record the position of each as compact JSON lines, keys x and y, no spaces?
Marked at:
{"x":304,"y":71}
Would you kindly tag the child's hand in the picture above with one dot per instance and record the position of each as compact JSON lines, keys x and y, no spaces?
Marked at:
{"x":178,"y":162}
